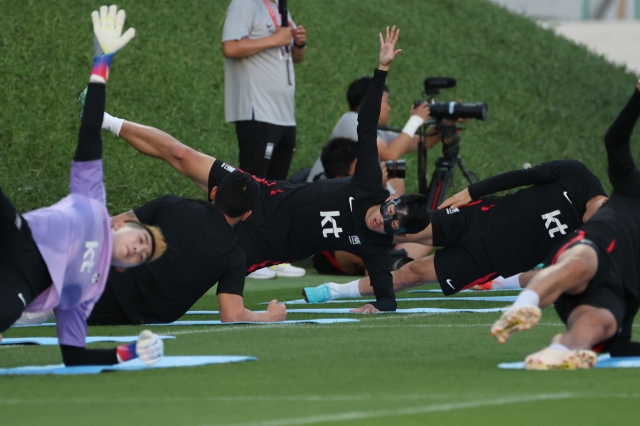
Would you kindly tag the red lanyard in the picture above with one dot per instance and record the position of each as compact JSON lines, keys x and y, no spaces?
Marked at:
{"x":286,"y":48}
{"x":271,"y":12}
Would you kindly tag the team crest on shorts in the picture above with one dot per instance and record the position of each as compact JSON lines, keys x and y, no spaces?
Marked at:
{"x":452,"y":211}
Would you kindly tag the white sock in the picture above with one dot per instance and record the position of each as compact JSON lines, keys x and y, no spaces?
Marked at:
{"x":507,"y":283}
{"x":559,"y":347}
{"x":112,"y":124}
{"x":342,"y":291}
{"x":527,"y":298}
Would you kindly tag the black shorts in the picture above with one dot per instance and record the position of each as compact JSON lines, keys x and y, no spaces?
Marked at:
{"x":325,"y":263}
{"x":605,"y":290}
{"x":23,"y":272}
{"x":464,"y":261}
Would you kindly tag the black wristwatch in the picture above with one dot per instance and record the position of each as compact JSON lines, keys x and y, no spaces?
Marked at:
{"x":300,"y":46}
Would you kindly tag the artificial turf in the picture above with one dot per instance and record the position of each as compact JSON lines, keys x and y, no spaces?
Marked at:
{"x":548,"y":99}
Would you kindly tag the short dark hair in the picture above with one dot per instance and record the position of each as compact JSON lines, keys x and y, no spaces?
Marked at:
{"x":237,"y":193}
{"x":337,"y":156}
{"x":418,"y":216}
{"x":357,"y":90}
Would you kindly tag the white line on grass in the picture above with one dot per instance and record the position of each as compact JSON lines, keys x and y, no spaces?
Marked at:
{"x":323,"y":398}
{"x":359,"y":415}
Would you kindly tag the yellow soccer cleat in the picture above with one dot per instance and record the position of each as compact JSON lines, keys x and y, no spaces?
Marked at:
{"x":514,"y":320}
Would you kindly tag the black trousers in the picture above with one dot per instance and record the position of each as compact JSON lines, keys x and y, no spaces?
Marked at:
{"x":23,"y":273}
{"x":266,"y":149}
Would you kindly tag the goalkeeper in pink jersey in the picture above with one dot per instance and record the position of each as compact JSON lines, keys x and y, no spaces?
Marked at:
{"x":59,"y":256}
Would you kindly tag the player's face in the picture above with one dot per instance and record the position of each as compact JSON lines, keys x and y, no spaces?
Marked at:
{"x":375,"y":221}
{"x":593,"y":205}
{"x":385,"y":110}
{"x":131,"y":246}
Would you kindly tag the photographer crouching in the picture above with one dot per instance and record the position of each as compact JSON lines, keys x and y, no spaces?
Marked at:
{"x":391,"y":145}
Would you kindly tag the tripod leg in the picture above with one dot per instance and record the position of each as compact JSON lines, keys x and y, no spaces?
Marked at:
{"x":471,"y":177}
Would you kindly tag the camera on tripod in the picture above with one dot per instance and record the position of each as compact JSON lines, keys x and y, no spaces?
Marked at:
{"x":443,"y":113}
{"x":450,"y":110}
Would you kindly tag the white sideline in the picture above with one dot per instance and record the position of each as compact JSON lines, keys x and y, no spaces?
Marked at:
{"x":434,"y":408}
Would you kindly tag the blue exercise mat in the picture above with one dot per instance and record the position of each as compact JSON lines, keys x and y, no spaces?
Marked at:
{"x":464,"y":291}
{"x":135,"y":364}
{"x":604,"y":361}
{"x":214,"y":322}
{"x":51,"y":341}
{"x":218,"y":322}
{"x":401,"y":300}
{"x":397,"y":311}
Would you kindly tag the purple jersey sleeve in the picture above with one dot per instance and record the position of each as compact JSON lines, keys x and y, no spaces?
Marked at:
{"x":86,"y":179}
{"x":71,"y":324}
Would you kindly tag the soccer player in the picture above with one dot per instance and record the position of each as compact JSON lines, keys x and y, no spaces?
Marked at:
{"x":593,"y":279}
{"x":485,"y":236}
{"x":59,"y":256}
{"x":294,"y":221}
{"x":203,"y":250}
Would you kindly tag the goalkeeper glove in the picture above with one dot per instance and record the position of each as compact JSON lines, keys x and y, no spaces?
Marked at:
{"x":108,"y":39}
{"x":149,"y":348}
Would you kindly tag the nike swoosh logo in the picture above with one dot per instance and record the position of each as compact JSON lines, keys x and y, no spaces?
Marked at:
{"x":566,"y":196}
{"x":24,"y":302}
{"x":350,"y":200}
{"x":450,"y":285}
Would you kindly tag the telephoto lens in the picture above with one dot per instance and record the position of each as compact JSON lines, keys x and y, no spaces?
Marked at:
{"x":396,"y":169}
{"x":455,"y":110}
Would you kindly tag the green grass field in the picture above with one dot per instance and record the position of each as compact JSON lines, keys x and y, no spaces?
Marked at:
{"x":548,"y":99}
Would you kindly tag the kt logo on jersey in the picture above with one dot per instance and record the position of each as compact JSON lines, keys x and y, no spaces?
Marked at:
{"x":551,"y":219}
{"x":328,"y":218}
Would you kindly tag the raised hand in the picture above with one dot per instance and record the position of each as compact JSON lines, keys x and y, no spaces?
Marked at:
{"x":387,"y":45}
{"x":107,"y":28}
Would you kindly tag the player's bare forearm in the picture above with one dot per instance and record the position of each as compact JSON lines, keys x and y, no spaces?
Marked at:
{"x":158,"y":144}
{"x":232,"y":310}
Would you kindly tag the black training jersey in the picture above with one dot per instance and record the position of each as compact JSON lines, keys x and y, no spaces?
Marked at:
{"x":202,"y":250}
{"x":295,"y":221}
{"x":519,"y":229}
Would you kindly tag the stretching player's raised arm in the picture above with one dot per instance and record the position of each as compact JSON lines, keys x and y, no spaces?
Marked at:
{"x":158,"y":144}
{"x":368,"y":173}
{"x":552,"y":171}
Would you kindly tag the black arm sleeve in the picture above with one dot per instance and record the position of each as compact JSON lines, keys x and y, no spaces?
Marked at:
{"x":379,"y":267}
{"x":544,"y":173}
{"x":368,"y":174}
{"x":90,"y":140}
{"x":233,"y":281}
{"x":623,"y":174}
{"x":73,"y":355}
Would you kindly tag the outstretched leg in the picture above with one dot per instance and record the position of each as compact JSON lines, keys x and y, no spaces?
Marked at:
{"x":570,"y":274}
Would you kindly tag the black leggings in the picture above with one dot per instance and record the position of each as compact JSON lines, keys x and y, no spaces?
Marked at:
{"x":623,"y":173}
{"x":23,"y":272}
